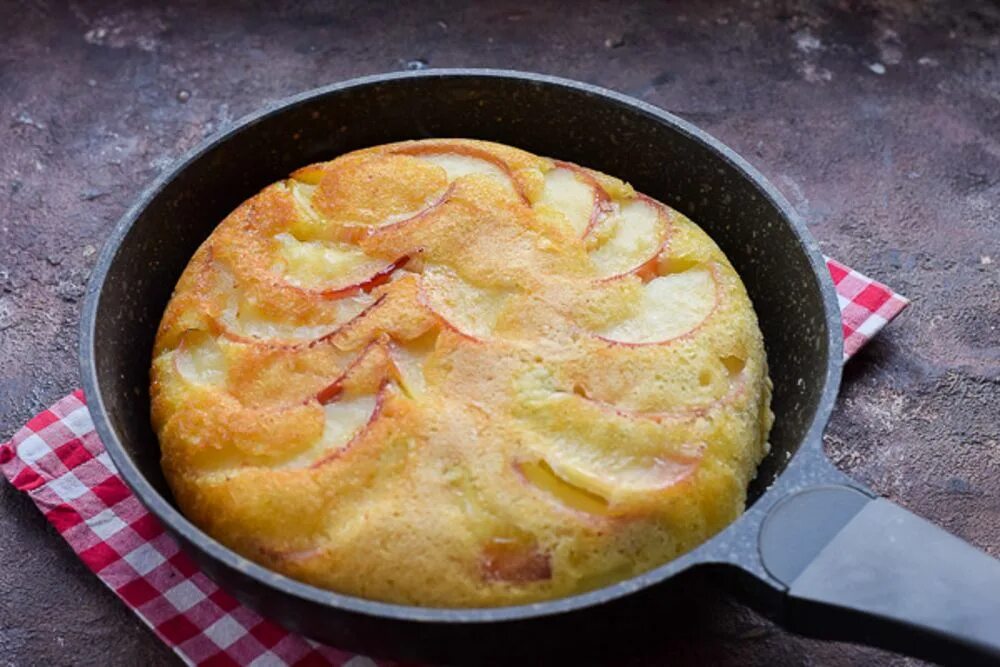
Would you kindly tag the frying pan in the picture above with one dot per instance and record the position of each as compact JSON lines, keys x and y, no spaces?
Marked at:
{"x":815,"y":550}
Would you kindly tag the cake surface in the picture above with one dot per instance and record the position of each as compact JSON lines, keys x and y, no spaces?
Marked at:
{"x":452,"y":373}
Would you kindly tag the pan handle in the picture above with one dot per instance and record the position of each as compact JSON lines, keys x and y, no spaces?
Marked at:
{"x":863,"y":569}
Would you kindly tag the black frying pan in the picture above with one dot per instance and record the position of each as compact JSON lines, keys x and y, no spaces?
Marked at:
{"x":815,"y":550}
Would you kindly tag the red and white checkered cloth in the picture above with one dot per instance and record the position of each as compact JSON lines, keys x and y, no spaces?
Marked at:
{"x":58,"y":460}
{"x":865,"y":305}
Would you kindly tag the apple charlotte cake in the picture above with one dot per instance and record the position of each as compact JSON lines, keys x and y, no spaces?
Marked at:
{"x":452,"y":373}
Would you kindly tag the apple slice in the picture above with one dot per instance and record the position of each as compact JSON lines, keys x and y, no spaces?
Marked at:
{"x":671,"y":306}
{"x":607,"y":477}
{"x":302,"y":194}
{"x":469,"y":310}
{"x":242,"y":321}
{"x":380,"y":277}
{"x":240,"y":317}
{"x":365,"y":374}
{"x":603,"y":461}
{"x":313,"y":225}
{"x":736,"y":386}
{"x":350,"y":404}
{"x":311,"y":174}
{"x":309,"y":223}
{"x":397,"y":313}
{"x":362,"y":318}
{"x":199,"y":358}
{"x":629,"y":238}
{"x":573,"y":192}
{"x":586,"y":479}
{"x":409,"y":358}
{"x":404,"y":223}
{"x":313,"y":265}
{"x":541,"y":475}
{"x":457,"y":165}
{"x":343,"y":419}
{"x":343,"y":422}
{"x":586,"y":482}
{"x":459,"y":160}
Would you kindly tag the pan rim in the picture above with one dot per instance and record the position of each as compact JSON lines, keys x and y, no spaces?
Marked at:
{"x":188,"y":532}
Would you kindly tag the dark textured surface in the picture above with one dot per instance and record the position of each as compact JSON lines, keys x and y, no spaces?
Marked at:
{"x":879,"y":122}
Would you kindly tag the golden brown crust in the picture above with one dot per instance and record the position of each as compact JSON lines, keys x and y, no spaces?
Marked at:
{"x":453,"y":373}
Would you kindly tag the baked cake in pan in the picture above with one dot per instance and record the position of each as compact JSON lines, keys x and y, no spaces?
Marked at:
{"x":452,"y":373}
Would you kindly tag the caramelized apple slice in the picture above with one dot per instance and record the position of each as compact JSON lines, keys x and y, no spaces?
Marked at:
{"x":365,"y":375}
{"x":398,"y":313}
{"x":541,"y":475}
{"x":629,"y":239}
{"x":350,"y":404}
{"x":199,"y":358}
{"x":601,"y":460}
{"x":343,"y":421}
{"x":605,"y":477}
{"x":362,"y":318}
{"x":330,"y":269}
{"x":576,"y":194}
{"x":672,"y":305}
{"x":302,"y":194}
{"x":466,"y":309}
{"x":408,"y":358}
{"x":458,"y":161}
{"x":457,"y":165}
{"x":311,"y":174}
{"x":348,"y":211}
{"x":244,"y":322}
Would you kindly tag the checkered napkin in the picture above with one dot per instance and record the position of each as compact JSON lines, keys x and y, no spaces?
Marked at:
{"x":58,"y":460}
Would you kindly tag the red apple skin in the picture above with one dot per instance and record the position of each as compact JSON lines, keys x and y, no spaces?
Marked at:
{"x":416,"y":217}
{"x":332,"y":392}
{"x":349,"y":323}
{"x":645,"y":271}
{"x":380,"y":277}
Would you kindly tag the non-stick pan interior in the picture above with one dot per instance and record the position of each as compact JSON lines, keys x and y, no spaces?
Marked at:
{"x":669,"y":162}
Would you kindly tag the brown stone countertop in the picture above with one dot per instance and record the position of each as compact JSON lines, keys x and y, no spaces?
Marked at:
{"x":880,"y":121}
